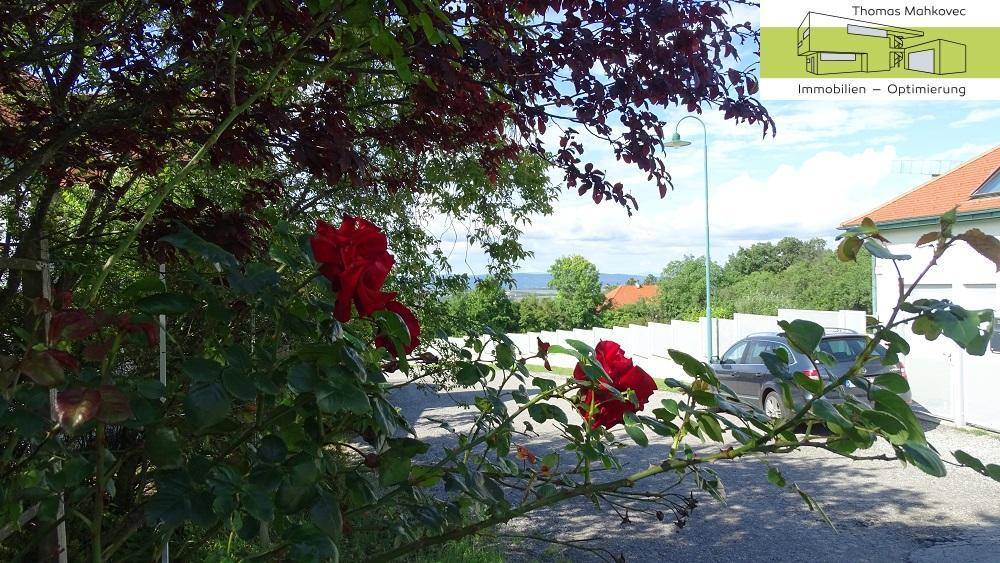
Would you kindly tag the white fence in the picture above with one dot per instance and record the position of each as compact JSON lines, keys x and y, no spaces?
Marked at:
{"x":647,"y":344}
{"x":948,"y":383}
{"x":945,"y":382}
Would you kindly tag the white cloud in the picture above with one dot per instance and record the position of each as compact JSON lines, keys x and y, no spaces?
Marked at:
{"x":978,"y":116}
{"x":962,"y":153}
{"x":808,"y":200}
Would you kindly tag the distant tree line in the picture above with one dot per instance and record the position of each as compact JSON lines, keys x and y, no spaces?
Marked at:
{"x":759,"y":279}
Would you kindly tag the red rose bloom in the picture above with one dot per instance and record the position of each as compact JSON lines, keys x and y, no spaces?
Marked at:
{"x":609,"y":410}
{"x":356,"y":260}
{"x":412,"y":326}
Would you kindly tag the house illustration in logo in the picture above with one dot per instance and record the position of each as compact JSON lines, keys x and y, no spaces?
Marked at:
{"x":836,"y":45}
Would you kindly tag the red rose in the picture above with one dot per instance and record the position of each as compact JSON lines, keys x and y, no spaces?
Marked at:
{"x":543,"y":353}
{"x":356,"y":260}
{"x":412,"y":326}
{"x":609,"y":410}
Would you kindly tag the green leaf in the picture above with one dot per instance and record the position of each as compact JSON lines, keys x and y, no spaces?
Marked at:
{"x":638,"y":436}
{"x":239,"y":384}
{"x":302,"y":377}
{"x":505,"y":356}
{"x":803,"y":335}
{"x":825,"y":410}
{"x":878,"y":250}
{"x":257,"y":278}
{"x":325,"y":514}
{"x":926,"y":459}
{"x":151,"y":389}
{"x":893,"y":382}
{"x":814,"y":386}
{"x":970,"y":461}
{"x":775,"y":477}
{"x":889,"y":402}
{"x":893,"y":429}
{"x":847,"y":250}
{"x":207,"y":404}
{"x":580,"y":346}
{"x":148,"y":284}
{"x":292,"y":498}
{"x":272,"y":449}
{"x":948,"y":221}
{"x":185,"y":239}
{"x":691,"y":366}
{"x":543,"y":384}
{"x":170,"y":505}
{"x":167,"y":303}
{"x":671,"y":406}
{"x":469,"y":374}
{"x":201,"y":369}
{"x":393,"y":470}
{"x":993,"y":471}
{"x":710,"y":426}
{"x":342,"y":395}
{"x":259,"y":503}
{"x":163,"y":447}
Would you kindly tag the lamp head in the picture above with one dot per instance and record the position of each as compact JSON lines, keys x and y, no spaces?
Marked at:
{"x":676,"y":141}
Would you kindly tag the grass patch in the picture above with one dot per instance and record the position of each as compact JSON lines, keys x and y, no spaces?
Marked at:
{"x":470,"y":549}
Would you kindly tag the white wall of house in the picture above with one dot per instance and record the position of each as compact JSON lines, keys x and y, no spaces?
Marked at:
{"x":945,"y":381}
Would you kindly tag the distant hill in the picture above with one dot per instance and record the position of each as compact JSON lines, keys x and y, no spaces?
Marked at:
{"x":527,"y":281}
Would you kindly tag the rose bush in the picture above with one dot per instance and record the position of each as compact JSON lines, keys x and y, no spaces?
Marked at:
{"x":278,"y":425}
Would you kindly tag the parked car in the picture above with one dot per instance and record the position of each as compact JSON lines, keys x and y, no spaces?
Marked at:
{"x":743,"y":370}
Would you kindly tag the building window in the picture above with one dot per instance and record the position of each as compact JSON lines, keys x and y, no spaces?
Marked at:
{"x":869,"y":31}
{"x":990,"y":186}
{"x":806,"y":33}
{"x":995,"y":341}
{"x":838,"y":57}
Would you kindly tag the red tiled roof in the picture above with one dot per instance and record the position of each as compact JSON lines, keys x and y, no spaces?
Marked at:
{"x":629,"y":294}
{"x":941,"y":194}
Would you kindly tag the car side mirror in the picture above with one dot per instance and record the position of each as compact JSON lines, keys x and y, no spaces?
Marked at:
{"x":715,"y":360}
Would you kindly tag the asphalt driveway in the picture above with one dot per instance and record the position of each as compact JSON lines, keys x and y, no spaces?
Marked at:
{"x":881,"y":510}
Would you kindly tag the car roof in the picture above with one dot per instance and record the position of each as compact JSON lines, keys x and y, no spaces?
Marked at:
{"x":828,"y":333}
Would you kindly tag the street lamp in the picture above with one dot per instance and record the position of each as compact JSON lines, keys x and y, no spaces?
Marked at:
{"x":677,"y":142}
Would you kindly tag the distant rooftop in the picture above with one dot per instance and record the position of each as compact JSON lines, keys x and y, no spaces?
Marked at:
{"x":629,"y":294}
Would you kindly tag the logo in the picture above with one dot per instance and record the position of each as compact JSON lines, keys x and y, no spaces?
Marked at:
{"x":842,"y":49}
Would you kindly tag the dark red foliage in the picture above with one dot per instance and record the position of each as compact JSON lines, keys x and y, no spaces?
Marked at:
{"x":241,"y":231}
{"x":156,"y":81}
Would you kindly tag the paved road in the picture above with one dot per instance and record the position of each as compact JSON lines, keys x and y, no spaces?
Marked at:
{"x":883,"y":512}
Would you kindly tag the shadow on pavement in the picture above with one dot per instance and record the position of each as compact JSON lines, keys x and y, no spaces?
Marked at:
{"x":882,"y":512}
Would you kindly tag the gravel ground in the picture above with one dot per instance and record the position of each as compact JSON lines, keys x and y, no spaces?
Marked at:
{"x":882,"y":511}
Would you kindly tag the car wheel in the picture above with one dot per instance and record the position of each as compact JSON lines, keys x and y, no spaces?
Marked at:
{"x":773,"y":406}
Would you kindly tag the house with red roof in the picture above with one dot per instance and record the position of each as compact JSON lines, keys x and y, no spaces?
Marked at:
{"x":630,"y":294}
{"x":945,"y":381}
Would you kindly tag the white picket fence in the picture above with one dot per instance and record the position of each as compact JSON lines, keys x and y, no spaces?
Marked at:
{"x":647,"y":344}
{"x":945,"y":382}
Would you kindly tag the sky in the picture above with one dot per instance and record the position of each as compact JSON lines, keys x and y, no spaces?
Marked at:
{"x":829,"y":162}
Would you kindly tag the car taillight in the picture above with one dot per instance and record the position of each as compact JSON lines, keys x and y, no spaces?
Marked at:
{"x":811,"y":373}
{"x":902,"y":369}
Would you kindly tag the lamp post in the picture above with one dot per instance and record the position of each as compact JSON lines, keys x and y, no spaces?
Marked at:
{"x":677,"y":142}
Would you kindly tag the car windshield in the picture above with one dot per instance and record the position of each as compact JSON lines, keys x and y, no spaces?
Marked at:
{"x":847,"y":349}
